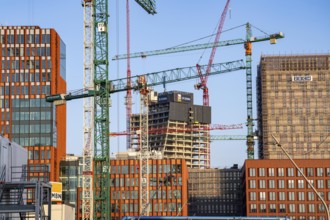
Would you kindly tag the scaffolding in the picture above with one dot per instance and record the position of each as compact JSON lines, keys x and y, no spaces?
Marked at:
{"x":26,"y":194}
{"x":293,"y":104}
{"x":185,"y":138}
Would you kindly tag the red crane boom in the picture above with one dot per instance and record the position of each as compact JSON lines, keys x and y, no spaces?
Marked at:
{"x":203,"y":83}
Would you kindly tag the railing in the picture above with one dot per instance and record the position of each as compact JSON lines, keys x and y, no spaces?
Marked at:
{"x":3,"y":174}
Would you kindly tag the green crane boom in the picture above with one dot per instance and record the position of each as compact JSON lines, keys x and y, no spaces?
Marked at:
{"x":170,"y":50}
{"x":153,"y":79}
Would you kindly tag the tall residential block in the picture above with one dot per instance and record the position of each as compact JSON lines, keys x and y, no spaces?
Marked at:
{"x":33,"y":65}
{"x":177,"y":128}
{"x":293,"y":105}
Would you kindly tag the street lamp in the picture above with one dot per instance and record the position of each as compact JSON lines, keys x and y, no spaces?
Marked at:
{"x":307,"y":180}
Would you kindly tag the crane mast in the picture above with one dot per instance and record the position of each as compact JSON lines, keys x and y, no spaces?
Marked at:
{"x":248,"y":60}
{"x":101,"y":112}
{"x":88,"y":105}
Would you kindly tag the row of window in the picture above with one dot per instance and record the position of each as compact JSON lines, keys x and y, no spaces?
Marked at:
{"x":287,"y":208}
{"x":27,"y":51}
{"x":31,"y":115}
{"x":26,"y":77}
{"x":157,"y":207}
{"x":34,"y":141}
{"x":39,"y":154}
{"x":28,"y":38}
{"x":153,"y":168}
{"x":284,"y":196}
{"x":32,"y":129}
{"x":215,"y":175}
{"x":290,"y":184}
{"x":310,"y":171}
{"x":26,"y":65}
{"x":25,"y":103}
{"x":153,"y":194}
{"x":161,"y":181}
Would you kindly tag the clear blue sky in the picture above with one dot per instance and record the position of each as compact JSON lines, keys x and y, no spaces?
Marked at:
{"x":306,"y":25}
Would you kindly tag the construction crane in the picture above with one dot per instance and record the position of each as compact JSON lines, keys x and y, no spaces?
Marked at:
{"x":142,"y":83}
{"x":96,"y":203}
{"x":203,"y":79}
{"x":149,"y":6}
{"x":247,"y":42}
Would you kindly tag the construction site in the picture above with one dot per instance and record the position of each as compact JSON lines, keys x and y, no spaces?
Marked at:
{"x":165,"y":169}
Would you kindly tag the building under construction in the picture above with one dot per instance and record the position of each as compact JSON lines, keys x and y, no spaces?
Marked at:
{"x":215,"y":192}
{"x":293,"y":105}
{"x":177,"y":128}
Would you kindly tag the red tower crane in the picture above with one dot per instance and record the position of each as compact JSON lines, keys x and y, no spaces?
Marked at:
{"x":203,"y":78}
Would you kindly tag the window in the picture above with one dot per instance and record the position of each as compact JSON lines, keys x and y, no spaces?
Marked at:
{"x":262,"y":195}
{"x":301,"y":196}
{"x":252,"y":172}
{"x":253,"y":207}
{"x":302,"y":208}
{"x":311,"y":196}
{"x":320,"y":184}
{"x":263,"y":208}
{"x":282,"y":208}
{"x":281,"y":196}
{"x":253,"y":196}
{"x":309,"y":171}
{"x":261,"y":171}
{"x":311,"y":182}
{"x":301,"y":184}
{"x":290,"y":171}
{"x":280,"y":171}
{"x":262,"y":184}
{"x":272,"y":208}
{"x":271,"y":172}
{"x":290,"y":184}
{"x":252,"y":184}
{"x":319,"y":171}
{"x":311,"y":208}
{"x":281,"y":184}
{"x":291,"y":196}
{"x":272,"y":196}
{"x":292,"y":208}
{"x":271,"y":184}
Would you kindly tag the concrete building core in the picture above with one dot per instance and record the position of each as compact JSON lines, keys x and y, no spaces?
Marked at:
{"x":293,"y":104}
{"x":177,"y":128}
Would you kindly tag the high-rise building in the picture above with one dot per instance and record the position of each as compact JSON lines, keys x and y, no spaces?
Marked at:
{"x":276,"y":188}
{"x":293,"y":105}
{"x":177,"y":128}
{"x":215,"y":192}
{"x":33,"y":65}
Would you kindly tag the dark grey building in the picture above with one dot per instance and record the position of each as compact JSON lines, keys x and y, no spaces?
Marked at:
{"x":215,"y":192}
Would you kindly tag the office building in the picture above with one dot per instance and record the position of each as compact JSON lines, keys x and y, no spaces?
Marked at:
{"x":168,"y":193}
{"x":177,"y":128}
{"x":215,"y":192}
{"x":293,"y":105}
{"x":33,"y":66}
{"x":276,"y":188}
